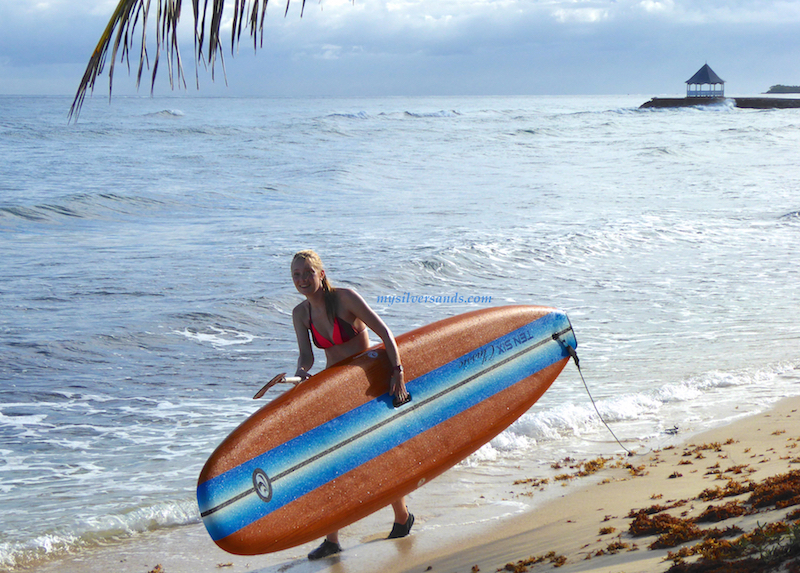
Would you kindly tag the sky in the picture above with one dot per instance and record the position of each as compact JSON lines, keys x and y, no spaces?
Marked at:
{"x":431,"y":47}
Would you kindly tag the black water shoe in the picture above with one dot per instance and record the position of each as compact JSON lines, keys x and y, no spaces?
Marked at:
{"x":402,"y":529}
{"x":327,"y":549}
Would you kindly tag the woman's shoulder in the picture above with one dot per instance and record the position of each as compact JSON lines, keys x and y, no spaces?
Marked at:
{"x":301,"y":311}
{"x":348,"y":295}
{"x":353,"y":304}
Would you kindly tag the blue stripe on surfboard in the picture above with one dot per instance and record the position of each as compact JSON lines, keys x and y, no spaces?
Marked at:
{"x":228,"y":502}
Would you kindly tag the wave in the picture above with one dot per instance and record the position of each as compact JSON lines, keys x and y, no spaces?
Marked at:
{"x":407,"y":114}
{"x":97,"y":532}
{"x":168,"y":113}
{"x":440,"y":113}
{"x":81,"y":206}
{"x":603,"y":238}
{"x":117,"y":466}
{"x":699,"y":402}
{"x":357,"y":115}
{"x":217,"y":337}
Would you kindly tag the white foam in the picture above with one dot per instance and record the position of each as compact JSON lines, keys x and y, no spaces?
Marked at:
{"x":218,"y":337}
{"x":98,"y":530}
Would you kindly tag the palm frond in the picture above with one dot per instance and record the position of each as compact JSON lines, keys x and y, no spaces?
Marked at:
{"x":132,"y":14}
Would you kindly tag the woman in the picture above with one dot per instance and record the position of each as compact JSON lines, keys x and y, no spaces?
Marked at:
{"x":336,"y":320}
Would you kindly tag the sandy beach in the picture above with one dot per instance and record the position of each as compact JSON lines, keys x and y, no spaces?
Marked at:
{"x":587,"y":528}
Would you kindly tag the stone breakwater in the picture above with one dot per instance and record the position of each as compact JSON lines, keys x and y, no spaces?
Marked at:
{"x":742,"y":102}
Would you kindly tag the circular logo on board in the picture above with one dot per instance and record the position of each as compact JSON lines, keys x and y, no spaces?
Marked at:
{"x":262,"y":484}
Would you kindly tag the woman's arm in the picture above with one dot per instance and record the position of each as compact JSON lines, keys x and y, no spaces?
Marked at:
{"x":354,"y":303}
{"x":306,"y":359}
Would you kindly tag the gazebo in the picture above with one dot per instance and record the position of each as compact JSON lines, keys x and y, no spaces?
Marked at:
{"x":705,"y":83}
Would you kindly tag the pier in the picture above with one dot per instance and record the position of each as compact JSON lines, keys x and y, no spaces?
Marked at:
{"x":742,"y":102}
{"x":706,"y":88}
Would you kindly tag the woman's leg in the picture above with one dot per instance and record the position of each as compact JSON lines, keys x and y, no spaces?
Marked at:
{"x":403,"y":520}
{"x":400,"y":510}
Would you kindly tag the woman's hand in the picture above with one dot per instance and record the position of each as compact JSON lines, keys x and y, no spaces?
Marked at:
{"x":397,"y":386}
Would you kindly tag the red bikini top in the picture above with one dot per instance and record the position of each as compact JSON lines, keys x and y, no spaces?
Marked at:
{"x":342,"y":332}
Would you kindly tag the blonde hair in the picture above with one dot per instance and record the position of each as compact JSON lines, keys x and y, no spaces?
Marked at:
{"x":328,"y":292}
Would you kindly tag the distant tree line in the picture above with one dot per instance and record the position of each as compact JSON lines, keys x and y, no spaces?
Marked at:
{"x":779,"y":89}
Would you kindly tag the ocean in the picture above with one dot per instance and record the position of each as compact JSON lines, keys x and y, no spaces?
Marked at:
{"x":146,"y":292}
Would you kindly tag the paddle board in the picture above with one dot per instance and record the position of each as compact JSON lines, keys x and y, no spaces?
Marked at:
{"x":334,"y":449}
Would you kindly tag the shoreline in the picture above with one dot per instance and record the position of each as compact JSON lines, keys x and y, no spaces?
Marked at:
{"x":585,"y":528}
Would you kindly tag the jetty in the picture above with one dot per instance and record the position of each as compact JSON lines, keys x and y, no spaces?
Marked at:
{"x":705,"y":87}
{"x":743,"y":102}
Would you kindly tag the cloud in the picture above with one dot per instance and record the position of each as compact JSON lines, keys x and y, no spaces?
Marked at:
{"x":34,"y":32}
{"x":657,"y":6}
{"x":444,"y":46}
{"x":581,"y":15}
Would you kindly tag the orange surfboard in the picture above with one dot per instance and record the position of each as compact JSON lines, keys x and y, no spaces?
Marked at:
{"x":335,"y":449}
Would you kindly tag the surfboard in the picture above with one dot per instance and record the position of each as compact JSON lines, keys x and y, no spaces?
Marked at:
{"x":335,"y":449}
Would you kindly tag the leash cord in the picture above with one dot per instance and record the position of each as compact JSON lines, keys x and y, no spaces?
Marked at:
{"x":574,"y":354}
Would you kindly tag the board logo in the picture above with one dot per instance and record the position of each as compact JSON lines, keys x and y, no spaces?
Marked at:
{"x":480,"y":356}
{"x":262,"y":485}
{"x":500,"y":346}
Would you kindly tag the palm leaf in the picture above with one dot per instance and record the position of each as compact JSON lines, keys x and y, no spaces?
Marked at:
{"x":131,"y":15}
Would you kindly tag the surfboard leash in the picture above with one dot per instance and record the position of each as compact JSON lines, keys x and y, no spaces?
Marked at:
{"x":574,"y":354}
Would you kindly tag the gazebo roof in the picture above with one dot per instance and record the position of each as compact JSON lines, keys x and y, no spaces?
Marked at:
{"x":705,"y":75}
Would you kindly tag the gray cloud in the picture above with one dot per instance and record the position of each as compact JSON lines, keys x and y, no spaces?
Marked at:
{"x":376,"y":47}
